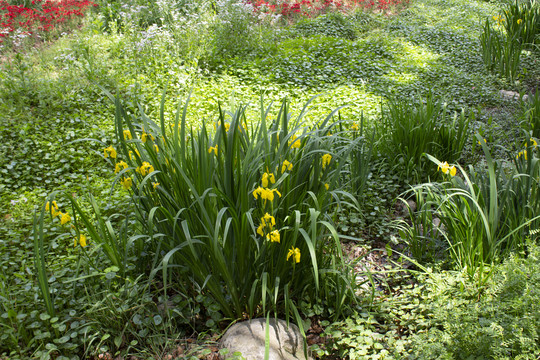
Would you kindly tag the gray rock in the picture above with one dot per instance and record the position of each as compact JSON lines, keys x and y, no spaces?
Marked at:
{"x":248,"y":338}
{"x":512,"y":95}
{"x":412,"y":205}
{"x":405,"y":208}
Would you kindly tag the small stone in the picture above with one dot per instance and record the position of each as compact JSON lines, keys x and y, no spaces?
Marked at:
{"x":512,"y":95}
{"x":405,"y":208}
{"x":248,"y":338}
{"x":412,"y":205}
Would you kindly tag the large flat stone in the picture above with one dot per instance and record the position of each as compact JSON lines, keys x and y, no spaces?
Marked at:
{"x":248,"y":338}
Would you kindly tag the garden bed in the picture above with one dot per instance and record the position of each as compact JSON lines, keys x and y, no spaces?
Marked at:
{"x":167,"y":169}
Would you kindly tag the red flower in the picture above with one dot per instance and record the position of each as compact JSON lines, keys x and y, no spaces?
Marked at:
{"x":45,"y":14}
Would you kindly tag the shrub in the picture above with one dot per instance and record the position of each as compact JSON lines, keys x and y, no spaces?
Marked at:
{"x":235,"y":29}
{"x":237,"y":212}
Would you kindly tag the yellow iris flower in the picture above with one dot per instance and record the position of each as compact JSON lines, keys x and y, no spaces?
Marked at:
{"x":265,"y":194}
{"x":294,"y":142}
{"x":266,"y":178}
{"x":287,"y":166}
{"x":127,"y":135}
{"x":52,"y":208}
{"x":82,"y":240}
{"x":145,"y":136}
{"x":499,"y":19}
{"x":126,"y":183}
{"x":48,"y":206}
{"x":326,"y":158}
{"x":522,"y":153}
{"x":267,"y":221}
{"x":447,"y":169}
{"x":226,"y":125}
{"x":214,"y":149}
{"x":131,"y":156}
{"x":443,"y":167}
{"x":109,"y":151}
{"x":121,"y":165}
{"x":65,"y":218}
{"x":274,"y":237}
{"x":295,"y":253}
{"x":145,"y":168}
{"x":260,"y":229}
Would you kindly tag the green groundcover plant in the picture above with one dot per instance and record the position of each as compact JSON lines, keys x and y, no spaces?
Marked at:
{"x":442,"y":317}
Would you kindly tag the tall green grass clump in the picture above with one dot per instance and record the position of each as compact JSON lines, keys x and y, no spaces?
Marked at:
{"x":531,"y":116}
{"x":502,"y":42}
{"x":501,"y":52}
{"x":407,"y":131}
{"x":360,"y":158}
{"x":522,"y":22}
{"x":484,"y":213}
{"x":238,"y":212}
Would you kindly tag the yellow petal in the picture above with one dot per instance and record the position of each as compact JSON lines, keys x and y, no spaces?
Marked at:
{"x":82,"y":240}
{"x":56,"y":213}
{"x":287,"y":166}
{"x":274,"y":236}
{"x":65,"y":218}
{"x":258,"y":192}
